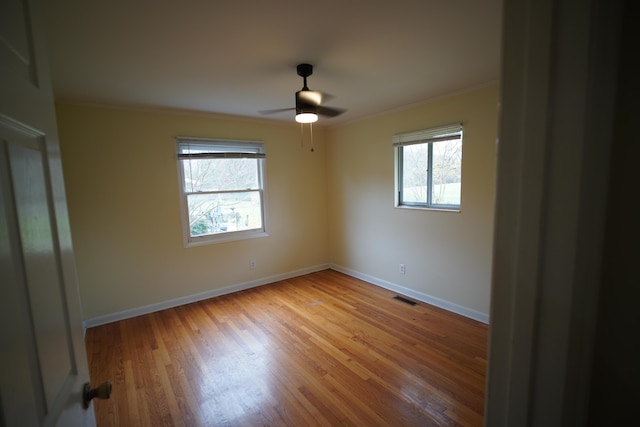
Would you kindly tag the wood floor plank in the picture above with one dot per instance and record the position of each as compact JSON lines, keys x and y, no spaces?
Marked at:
{"x":321,"y":349}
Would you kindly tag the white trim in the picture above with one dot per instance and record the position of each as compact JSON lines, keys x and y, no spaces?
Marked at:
{"x":281,"y":122}
{"x":429,"y":299}
{"x":255,"y":147}
{"x":428,"y":136}
{"x":151,"y":308}
{"x":418,"y":104}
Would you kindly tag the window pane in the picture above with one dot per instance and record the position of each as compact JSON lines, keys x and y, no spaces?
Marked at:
{"x":447,"y":172}
{"x":225,"y":212}
{"x":414,"y":173}
{"x":220,"y":174}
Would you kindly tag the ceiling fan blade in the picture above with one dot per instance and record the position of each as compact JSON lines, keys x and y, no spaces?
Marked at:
{"x":314,"y":97}
{"x":275,"y":111}
{"x":308,"y":97}
{"x":329,"y":112}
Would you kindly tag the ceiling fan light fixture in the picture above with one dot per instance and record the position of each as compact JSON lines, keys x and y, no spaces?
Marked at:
{"x":306,"y":117}
{"x":308,"y":102}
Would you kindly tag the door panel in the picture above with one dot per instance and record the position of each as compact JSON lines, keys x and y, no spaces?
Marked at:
{"x":15,"y":44}
{"x":19,"y":403}
{"x":41,"y":265}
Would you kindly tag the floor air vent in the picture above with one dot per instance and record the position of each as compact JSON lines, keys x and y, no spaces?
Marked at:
{"x":404,"y":300}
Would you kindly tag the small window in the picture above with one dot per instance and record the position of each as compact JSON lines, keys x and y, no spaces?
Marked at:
{"x":428,"y":166}
{"x":222,"y":190}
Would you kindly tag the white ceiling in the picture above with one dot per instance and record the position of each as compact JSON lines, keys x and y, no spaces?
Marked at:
{"x":239,"y":56}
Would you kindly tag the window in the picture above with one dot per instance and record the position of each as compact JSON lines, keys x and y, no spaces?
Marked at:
{"x":222,"y":190}
{"x":428,"y":168}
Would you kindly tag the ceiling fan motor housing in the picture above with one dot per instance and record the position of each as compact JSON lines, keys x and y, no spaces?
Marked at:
{"x":302,"y":106}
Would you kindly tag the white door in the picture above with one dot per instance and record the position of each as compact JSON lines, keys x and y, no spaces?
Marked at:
{"x":43,"y":365}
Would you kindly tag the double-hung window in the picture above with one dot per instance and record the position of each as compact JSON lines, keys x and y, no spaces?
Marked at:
{"x":222,"y":186}
{"x":428,"y":166}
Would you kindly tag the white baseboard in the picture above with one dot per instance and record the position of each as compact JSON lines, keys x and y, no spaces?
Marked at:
{"x":438,"y":302}
{"x":151,"y":308}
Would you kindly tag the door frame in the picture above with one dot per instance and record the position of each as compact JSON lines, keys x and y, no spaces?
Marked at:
{"x":558,"y":88}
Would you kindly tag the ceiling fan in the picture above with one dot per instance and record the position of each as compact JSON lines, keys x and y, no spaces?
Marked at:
{"x":308,"y":102}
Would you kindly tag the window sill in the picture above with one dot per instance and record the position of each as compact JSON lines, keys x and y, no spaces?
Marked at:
{"x":427,"y":208}
{"x":226,"y":237}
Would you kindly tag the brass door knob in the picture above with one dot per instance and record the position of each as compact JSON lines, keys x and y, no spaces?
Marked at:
{"x":103,"y":391}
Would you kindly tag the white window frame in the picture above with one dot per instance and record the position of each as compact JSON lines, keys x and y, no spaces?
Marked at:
{"x":426,"y":136}
{"x":224,"y":148}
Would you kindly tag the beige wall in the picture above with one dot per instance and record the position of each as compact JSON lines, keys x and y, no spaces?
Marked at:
{"x":447,"y":255}
{"x":331,"y":206}
{"x":122,"y":186}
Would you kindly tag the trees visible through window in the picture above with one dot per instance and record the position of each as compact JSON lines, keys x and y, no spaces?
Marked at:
{"x":222,"y":189}
{"x":429,"y":168}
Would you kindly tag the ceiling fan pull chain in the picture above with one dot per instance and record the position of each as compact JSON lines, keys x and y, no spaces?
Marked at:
{"x":311,"y":134}
{"x":301,"y":135}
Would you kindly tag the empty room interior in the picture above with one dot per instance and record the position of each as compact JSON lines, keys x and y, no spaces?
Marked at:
{"x":312,"y":280}
{"x":330,"y":208}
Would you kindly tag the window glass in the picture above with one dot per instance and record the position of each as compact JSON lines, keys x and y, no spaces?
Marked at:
{"x":414,"y":176}
{"x":447,"y":174}
{"x":429,"y":168}
{"x":222,"y":185}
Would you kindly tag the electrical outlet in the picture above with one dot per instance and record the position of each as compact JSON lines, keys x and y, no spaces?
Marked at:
{"x":252,"y":264}
{"x":401,"y":268}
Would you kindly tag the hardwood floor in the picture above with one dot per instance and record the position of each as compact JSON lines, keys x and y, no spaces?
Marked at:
{"x":320,"y":349}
